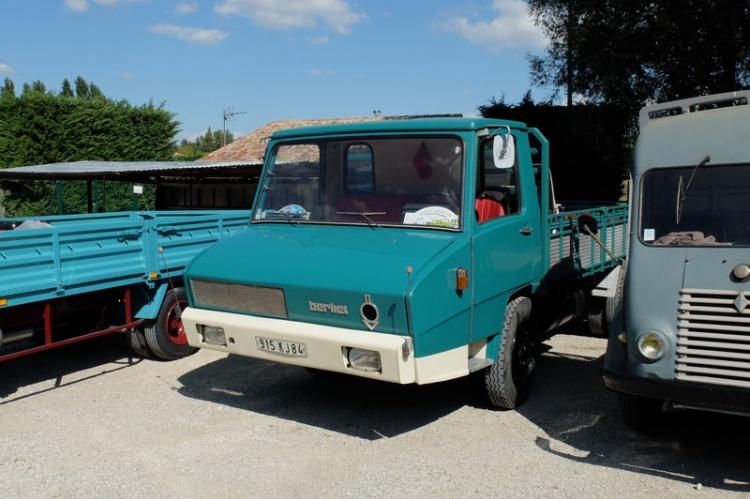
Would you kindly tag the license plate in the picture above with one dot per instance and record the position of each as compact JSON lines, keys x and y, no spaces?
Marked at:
{"x":280,"y":347}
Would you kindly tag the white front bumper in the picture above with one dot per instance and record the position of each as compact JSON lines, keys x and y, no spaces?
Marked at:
{"x":324,"y":343}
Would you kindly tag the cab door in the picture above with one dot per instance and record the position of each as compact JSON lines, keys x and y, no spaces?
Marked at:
{"x":506,"y":247}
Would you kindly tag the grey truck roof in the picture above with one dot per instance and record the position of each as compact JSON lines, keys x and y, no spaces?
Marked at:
{"x":683,"y":132}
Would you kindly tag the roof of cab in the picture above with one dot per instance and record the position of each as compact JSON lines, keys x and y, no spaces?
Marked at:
{"x":395,"y":126}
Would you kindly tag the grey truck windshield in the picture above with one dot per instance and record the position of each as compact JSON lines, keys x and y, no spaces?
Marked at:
{"x":369,"y":181}
{"x":712,"y":209}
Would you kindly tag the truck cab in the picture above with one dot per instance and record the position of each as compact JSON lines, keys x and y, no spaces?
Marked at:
{"x":408,"y":251}
{"x":681,"y":334}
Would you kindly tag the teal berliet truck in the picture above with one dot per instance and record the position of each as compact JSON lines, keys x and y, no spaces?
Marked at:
{"x":408,"y":251}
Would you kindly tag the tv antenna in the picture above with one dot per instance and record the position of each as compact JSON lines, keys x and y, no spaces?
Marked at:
{"x":229,"y":115}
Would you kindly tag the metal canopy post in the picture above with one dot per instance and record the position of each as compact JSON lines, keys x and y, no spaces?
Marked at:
{"x":89,"y":197}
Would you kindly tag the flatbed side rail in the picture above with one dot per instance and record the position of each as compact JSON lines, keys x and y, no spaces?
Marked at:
{"x":85,"y":253}
{"x":577,"y":251}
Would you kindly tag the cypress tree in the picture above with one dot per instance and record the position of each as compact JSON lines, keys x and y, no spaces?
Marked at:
{"x":82,"y":88}
{"x":67,"y":89}
{"x":9,"y":89}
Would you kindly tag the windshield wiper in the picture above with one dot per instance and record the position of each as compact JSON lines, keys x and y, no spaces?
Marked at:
{"x":366,"y":215}
{"x":682,"y":192}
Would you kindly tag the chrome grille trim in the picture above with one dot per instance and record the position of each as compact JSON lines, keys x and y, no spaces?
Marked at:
{"x":713,"y":338}
{"x":240,"y":297}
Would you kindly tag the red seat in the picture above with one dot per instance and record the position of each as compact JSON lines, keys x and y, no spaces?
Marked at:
{"x":488,"y":209}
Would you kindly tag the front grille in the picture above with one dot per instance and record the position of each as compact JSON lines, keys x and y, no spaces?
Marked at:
{"x":240,"y":297}
{"x":713,"y":339}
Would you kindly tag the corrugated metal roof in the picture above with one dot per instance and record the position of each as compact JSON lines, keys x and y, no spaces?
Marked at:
{"x":115,"y":169}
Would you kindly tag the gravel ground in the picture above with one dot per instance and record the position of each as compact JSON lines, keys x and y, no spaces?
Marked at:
{"x":90,"y":421}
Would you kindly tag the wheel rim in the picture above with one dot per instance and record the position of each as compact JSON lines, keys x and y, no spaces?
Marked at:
{"x":173,"y":324}
{"x":523,"y":358}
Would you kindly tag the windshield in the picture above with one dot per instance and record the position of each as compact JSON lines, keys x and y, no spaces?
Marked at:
{"x":371,"y":181}
{"x":713,"y":211}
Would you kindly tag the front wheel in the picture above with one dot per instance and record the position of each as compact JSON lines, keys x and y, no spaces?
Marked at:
{"x":640,"y":413}
{"x":166,"y":336}
{"x":507,"y":381}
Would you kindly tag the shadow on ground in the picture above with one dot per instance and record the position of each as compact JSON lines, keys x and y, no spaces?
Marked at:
{"x":109,"y":353}
{"x":578,"y":418}
{"x":582,"y":423}
{"x":344,"y":404}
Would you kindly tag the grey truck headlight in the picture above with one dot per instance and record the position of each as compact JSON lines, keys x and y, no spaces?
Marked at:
{"x":651,"y":345}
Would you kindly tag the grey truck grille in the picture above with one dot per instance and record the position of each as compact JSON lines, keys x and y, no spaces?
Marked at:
{"x":713,"y":339}
{"x":240,"y":297}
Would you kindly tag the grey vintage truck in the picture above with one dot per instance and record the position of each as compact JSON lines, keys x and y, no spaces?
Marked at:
{"x":680,"y":336}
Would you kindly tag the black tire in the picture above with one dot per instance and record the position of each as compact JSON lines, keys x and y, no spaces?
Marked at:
{"x":507,"y":381}
{"x":596,"y":318}
{"x":165,"y":336}
{"x":641,"y":413}
{"x":137,"y":343}
{"x":614,"y":304}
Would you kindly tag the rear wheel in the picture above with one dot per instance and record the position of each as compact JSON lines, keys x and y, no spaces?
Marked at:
{"x":640,"y":413}
{"x":166,"y":336}
{"x":596,"y":317}
{"x":137,"y":343}
{"x":507,"y":381}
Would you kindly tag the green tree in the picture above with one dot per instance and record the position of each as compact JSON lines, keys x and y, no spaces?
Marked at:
{"x":626,"y":53}
{"x":82,"y":88}
{"x":39,"y":87}
{"x":202,"y":145}
{"x":95,"y":92}
{"x":9,"y":89}
{"x":67,"y":89}
{"x":40,"y":127}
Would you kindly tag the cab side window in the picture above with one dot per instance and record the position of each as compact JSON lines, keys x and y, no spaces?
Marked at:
{"x":495,"y":187}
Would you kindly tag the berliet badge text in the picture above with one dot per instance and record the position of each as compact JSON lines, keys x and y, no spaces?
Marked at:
{"x":328,"y":307}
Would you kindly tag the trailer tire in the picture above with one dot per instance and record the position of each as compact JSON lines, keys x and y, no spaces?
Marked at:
{"x":507,"y":381}
{"x":137,"y":343}
{"x":640,"y":413}
{"x":166,"y":336}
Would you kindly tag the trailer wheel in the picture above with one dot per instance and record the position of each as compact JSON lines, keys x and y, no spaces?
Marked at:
{"x":507,"y":381}
{"x":137,"y":343}
{"x":166,"y":335}
{"x":640,"y":413}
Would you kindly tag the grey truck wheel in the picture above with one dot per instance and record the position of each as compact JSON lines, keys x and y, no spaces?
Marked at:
{"x":137,"y":343}
{"x":640,"y":413}
{"x":507,"y":380}
{"x":166,"y":336}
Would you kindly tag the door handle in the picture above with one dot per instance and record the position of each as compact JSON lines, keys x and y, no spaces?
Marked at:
{"x":526,"y":231}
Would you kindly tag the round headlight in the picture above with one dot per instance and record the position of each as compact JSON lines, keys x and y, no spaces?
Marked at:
{"x":651,"y":346}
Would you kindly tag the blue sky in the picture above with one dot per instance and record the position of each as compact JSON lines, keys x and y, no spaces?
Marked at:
{"x":276,"y":59}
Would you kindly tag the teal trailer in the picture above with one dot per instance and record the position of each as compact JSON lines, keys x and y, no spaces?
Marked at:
{"x":408,"y":251}
{"x":68,"y":278}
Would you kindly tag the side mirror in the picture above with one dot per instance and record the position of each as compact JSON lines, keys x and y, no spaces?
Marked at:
{"x":504,"y":151}
{"x":588,"y":224}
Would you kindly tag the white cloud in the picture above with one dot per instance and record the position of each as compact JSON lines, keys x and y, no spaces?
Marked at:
{"x":186,"y":7}
{"x":319,"y":72}
{"x":77,"y":5}
{"x":512,"y":28}
{"x":318,"y":40}
{"x":290,"y":14}
{"x":124,"y":75}
{"x":6,"y":68}
{"x":83,"y":5}
{"x":198,"y":36}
